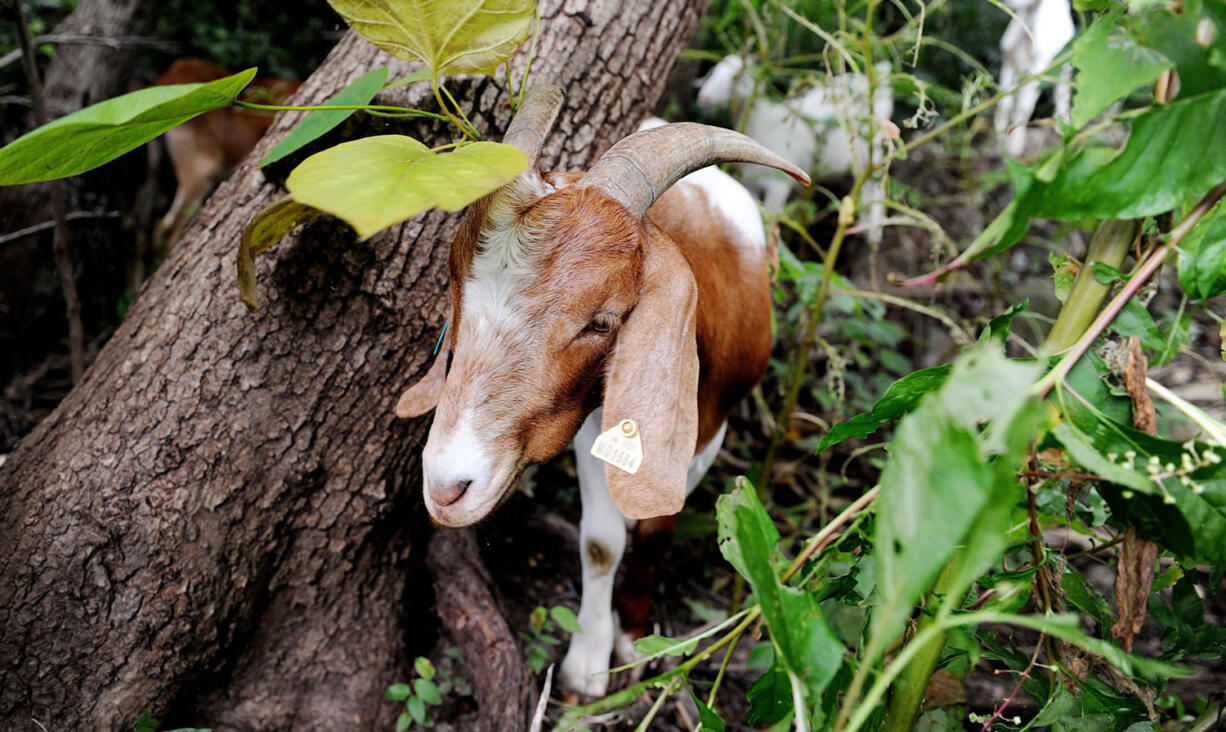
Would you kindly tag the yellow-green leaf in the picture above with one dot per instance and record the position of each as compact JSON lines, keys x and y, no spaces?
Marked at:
{"x":276,"y":220}
{"x":460,"y":36}
{"x":379,"y":181}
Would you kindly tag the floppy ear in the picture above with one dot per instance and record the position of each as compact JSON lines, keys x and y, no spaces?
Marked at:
{"x":653,"y":379}
{"x":424,"y":395}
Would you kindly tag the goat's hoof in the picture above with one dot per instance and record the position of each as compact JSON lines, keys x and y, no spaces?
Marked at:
{"x":585,"y":675}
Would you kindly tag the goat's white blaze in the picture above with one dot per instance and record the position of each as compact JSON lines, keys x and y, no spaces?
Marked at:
{"x":466,"y":467}
{"x":502,"y":263}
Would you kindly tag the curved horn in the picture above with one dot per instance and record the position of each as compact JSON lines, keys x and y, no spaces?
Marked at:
{"x":638,"y":169}
{"x":533,"y":121}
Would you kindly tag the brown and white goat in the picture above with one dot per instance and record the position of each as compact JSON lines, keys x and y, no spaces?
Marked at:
{"x":577,"y":304}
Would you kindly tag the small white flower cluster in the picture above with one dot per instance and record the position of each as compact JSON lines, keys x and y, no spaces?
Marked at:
{"x":1189,"y":462}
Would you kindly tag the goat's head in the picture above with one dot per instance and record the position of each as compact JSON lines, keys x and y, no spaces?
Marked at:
{"x":560,"y":286}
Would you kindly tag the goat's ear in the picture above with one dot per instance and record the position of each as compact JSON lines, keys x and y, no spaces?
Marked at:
{"x":653,"y":380}
{"x":424,"y":395}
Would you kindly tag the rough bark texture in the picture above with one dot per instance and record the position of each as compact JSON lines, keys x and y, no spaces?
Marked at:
{"x":504,"y":687}
{"x":215,"y":522}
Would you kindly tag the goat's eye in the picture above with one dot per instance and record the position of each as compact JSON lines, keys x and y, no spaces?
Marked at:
{"x":601,"y":323}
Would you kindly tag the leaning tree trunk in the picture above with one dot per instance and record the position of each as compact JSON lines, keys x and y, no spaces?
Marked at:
{"x":216,"y":522}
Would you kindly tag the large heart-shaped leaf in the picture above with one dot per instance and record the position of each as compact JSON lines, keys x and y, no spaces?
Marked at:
{"x":318,"y":123}
{"x":459,"y":36}
{"x":379,"y":181}
{"x":100,"y":133}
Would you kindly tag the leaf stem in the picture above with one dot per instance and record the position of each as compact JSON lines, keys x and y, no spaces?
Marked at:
{"x":400,"y":111}
{"x":673,"y":685}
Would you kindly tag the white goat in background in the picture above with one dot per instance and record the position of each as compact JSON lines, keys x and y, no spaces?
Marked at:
{"x":1025,"y":52}
{"x":823,"y":131}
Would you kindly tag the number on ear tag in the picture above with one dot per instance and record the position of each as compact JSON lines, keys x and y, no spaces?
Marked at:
{"x":621,"y":446}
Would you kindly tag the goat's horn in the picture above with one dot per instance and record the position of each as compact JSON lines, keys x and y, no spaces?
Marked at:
{"x":638,"y":169}
{"x":533,"y":121}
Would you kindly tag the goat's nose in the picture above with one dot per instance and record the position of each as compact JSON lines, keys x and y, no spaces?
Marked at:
{"x":448,"y":493}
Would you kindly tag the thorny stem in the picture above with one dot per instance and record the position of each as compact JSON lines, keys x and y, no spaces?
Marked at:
{"x":400,"y":111}
{"x":59,"y":210}
{"x":1143,"y":273}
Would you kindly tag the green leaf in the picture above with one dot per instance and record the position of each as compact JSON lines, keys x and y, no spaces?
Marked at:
{"x":1085,"y":454}
{"x":1201,"y":68}
{"x":428,"y":691}
{"x":938,"y":481}
{"x":770,"y":698}
{"x":267,"y":228}
{"x":102,"y":132}
{"x":398,"y":692}
{"x":318,"y":123}
{"x":403,"y":722}
{"x":1202,"y":257}
{"x":1174,"y":143}
{"x":423,"y":667}
{"x":1087,"y":599}
{"x":708,"y":719}
{"x":417,"y":709}
{"x":1062,"y":274}
{"x":999,"y":326}
{"x":900,"y":398}
{"x":1110,"y":64}
{"x":376,"y":182}
{"x":1105,"y":274}
{"x":805,"y":646}
{"x":456,"y":36}
{"x":658,"y":645}
{"x":565,"y":619}
{"x":1135,"y":320}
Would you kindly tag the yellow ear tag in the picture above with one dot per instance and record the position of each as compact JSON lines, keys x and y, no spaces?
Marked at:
{"x":621,"y":446}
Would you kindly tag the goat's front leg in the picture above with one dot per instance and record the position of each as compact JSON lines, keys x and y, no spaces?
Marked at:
{"x":602,"y":540}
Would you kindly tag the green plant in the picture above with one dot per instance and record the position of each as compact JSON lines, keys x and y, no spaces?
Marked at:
{"x":427,"y":690}
{"x":944,"y":563}
{"x":540,"y":634}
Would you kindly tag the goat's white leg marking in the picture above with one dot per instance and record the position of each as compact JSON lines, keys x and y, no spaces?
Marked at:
{"x":623,"y":648}
{"x":602,"y":540}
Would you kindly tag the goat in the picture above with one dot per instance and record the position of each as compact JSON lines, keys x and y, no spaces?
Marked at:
{"x":584,"y":303}
{"x":819,"y":131}
{"x":1031,"y":51}
{"x":206,"y":147}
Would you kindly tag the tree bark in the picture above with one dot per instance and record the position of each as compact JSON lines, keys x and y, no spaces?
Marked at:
{"x":216,"y":522}
{"x":82,"y":74}
{"x":469,"y":611}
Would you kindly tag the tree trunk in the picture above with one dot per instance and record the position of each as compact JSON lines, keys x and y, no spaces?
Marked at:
{"x":82,"y":74}
{"x":32,"y":306}
{"x":216,"y":522}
